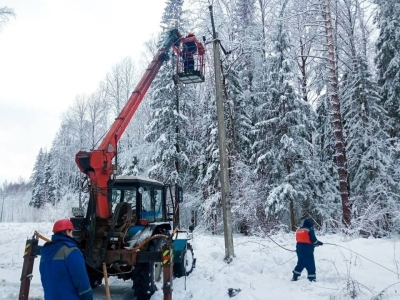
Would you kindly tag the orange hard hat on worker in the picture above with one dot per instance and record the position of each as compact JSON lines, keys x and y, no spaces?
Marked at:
{"x":63,"y":224}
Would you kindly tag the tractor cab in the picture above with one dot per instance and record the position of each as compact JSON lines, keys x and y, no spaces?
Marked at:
{"x":149,"y":201}
{"x":144,"y":196}
{"x":190,"y":65}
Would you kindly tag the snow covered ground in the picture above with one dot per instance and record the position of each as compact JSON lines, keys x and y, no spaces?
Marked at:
{"x":261,"y":269}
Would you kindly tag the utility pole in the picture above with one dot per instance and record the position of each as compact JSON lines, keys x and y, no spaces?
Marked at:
{"x":224,"y":178}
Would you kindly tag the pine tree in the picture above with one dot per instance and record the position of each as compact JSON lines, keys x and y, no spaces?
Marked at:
{"x":242,"y":79}
{"x":327,"y":197}
{"x":48,"y":182}
{"x":133,"y":168}
{"x":368,"y":149}
{"x":167,"y":128}
{"x":388,"y":61}
{"x":283,"y":148}
{"x":244,"y":83}
{"x":37,"y":178}
{"x":209,"y":181}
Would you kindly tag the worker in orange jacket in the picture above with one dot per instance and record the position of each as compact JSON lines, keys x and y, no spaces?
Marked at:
{"x":189,"y":49}
{"x":306,"y":242}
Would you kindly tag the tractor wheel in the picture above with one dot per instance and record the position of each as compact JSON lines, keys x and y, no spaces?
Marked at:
{"x":95,"y":277}
{"x":94,"y":283}
{"x":144,"y":275}
{"x":187,"y":265}
{"x":143,"y":281}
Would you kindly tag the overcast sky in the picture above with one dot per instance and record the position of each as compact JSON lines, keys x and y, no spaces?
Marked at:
{"x":52,"y":51}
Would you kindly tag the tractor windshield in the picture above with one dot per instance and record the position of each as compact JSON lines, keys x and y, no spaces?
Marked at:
{"x":152,"y":205}
{"x":125,"y":195}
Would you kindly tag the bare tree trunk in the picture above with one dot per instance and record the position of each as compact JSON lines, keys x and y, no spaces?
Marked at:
{"x":292,"y":221}
{"x":304,"y":52}
{"x":263,"y":6}
{"x":350,"y":30}
{"x":291,"y":204}
{"x":341,"y":160}
{"x":360,"y":15}
{"x":177,"y":149}
{"x":215,"y":221}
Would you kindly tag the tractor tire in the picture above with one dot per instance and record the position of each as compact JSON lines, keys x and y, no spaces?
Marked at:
{"x":144,"y":275}
{"x":143,"y":281}
{"x":94,"y":283}
{"x":95,"y":277}
{"x":187,"y":265}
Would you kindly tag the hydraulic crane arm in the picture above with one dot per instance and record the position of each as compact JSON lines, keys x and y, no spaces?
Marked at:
{"x":97,"y":164}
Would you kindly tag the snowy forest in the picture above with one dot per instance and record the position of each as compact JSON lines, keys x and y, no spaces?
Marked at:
{"x":312,"y":114}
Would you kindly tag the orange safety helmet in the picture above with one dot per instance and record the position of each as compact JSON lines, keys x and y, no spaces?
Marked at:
{"x":63,"y":224}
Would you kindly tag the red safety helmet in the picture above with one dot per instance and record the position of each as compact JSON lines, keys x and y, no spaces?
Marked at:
{"x":63,"y":224}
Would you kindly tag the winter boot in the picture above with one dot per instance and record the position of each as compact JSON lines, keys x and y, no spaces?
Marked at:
{"x":295,"y":276}
{"x":233,"y":292}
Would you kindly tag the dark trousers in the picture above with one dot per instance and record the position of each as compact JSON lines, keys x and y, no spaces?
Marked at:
{"x":188,"y":65}
{"x":305,"y":259}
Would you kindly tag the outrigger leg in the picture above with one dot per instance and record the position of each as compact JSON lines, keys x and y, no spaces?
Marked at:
{"x":168,"y":265}
{"x":32,"y":249}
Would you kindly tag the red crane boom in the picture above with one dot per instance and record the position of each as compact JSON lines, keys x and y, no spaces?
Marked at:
{"x":97,"y":164}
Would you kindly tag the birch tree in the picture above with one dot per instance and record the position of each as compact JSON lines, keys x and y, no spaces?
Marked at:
{"x":119,"y":84}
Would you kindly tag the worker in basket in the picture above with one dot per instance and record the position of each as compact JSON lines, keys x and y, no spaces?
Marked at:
{"x":189,"y":49}
{"x":62,"y":266}
{"x":306,"y":242}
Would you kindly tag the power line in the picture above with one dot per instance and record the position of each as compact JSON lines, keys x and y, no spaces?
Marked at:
{"x":363,"y":257}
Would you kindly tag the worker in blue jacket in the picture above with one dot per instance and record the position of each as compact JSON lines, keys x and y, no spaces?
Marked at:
{"x":306,"y":242}
{"x":62,"y":266}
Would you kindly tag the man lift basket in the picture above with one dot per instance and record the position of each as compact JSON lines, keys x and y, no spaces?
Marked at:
{"x":190,"y":64}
